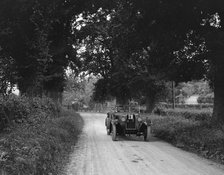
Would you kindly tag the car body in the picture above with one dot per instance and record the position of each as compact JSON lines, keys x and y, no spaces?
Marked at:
{"x":125,"y":120}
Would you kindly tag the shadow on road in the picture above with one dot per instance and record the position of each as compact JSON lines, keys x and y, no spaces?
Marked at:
{"x":136,"y":138}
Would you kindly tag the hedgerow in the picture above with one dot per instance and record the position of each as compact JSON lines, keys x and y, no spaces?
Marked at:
{"x":16,"y":110}
{"x":187,"y":106}
{"x":39,"y":137}
{"x":194,"y":114}
{"x":194,"y":135}
{"x":208,"y":98}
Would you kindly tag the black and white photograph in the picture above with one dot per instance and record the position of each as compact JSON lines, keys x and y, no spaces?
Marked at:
{"x":111,"y":87}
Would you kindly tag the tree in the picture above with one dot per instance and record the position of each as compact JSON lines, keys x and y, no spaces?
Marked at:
{"x":7,"y":75}
{"x":78,"y":89}
{"x":185,"y":35}
{"x":125,"y":55}
{"x":205,"y":19}
{"x":109,"y":51}
{"x":213,"y":33}
{"x":38,"y":35}
{"x":129,"y":40}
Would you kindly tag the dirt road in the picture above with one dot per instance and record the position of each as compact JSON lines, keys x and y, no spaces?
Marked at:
{"x":97,"y":154}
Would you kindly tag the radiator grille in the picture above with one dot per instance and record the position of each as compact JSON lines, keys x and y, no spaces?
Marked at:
{"x":131,"y":125}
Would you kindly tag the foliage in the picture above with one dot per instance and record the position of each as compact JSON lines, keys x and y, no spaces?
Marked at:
{"x":190,"y":59}
{"x":101,"y":90}
{"x":186,"y":106}
{"x":193,"y":88}
{"x":193,"y":114}
{"x":111,"y":52}
{"x":196,"y":136}
{"x":134,"y":42}
{"x":78,"y":89}
{"x":37,"y":34}
{"x":40,"y":144}
{"x":16,"y":110}
{"x":208,"y":98}
{"x":7,"y":74}
{"x":147,"y":40}
{"x":167,"y":40}
{"x":184,"y":90}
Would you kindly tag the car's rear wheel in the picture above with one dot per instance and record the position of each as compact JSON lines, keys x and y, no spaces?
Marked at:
{"x":147,"y":133}
{"x":114,"y":133}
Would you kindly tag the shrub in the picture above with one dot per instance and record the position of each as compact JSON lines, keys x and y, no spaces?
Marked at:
{"x":168,"y":127}
{"x":208,"y":98}
{"x":187,"y":106}
{"x":194,"y":114}
{"x":15,"y":110}
{"x":39,"y":144}
{"x":195,"y":135}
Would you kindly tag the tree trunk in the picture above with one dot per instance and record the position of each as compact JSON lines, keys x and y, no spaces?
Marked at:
{"x":55,"y":96}
{"x":150,"y":104}
{"x":218,"y":110}
{"x":215,"y":42}
{"x":121,"y":101}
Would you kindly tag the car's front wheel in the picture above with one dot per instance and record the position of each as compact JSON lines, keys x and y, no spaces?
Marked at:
{"x":109,"y":130}
{"x":114,"y":132}
{"x":147,"y":133}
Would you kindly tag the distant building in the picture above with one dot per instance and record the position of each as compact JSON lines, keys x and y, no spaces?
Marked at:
{"x":192,"y":100}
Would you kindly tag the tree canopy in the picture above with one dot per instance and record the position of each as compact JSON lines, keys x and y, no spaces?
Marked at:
{"x":37,"y":35}
{"x":134,"y":45}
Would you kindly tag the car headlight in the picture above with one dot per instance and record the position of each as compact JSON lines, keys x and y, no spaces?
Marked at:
{"x":123,"y":119}
{"x":139,"y":119}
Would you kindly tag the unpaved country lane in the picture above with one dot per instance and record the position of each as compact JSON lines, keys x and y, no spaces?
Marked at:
{"x":97,"y":154}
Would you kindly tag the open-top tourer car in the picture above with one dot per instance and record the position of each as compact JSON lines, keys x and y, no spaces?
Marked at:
{"x":125,"y":120}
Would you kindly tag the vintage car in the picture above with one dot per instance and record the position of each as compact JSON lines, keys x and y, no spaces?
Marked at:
{"x":125,"y":120}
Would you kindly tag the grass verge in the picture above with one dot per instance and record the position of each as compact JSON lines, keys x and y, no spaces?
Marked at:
{"x":191,"y":135}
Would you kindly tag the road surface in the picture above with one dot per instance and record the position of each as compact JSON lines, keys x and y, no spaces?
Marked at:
{"x":97,"y":154}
